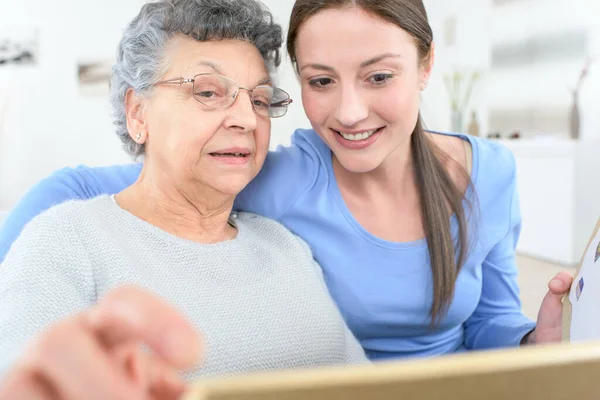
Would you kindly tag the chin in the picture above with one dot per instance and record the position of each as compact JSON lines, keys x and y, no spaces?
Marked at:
{"x":357,"y":165}
{"x":232,"y":185}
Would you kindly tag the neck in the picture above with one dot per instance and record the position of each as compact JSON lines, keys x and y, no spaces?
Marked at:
{"x":394,"y":177}
{"x":190,"y":212}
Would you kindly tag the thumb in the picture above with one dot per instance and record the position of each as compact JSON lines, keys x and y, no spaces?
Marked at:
{"x":132,"y":314}
{"x":560,"y":284}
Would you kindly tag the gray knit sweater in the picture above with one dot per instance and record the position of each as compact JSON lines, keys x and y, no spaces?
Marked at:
{"x":259,"y":300}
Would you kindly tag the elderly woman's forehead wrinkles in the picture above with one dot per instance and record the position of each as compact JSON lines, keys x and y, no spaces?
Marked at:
{"x":219,"y":69}
{"x":211,"y":64}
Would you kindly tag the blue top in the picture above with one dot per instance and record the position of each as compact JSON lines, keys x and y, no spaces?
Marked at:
{"x":382,"y":288}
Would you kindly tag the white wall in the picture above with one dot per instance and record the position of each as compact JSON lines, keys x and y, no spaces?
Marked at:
{"x":295,"y":118}
{"x":480,"y":25}
{"x":46,"y":124}
{"x":470,"y":52}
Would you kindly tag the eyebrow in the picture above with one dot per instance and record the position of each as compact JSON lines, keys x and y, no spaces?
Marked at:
{"x":217,"y":68}
{"x":378,"y":58}
{"x":264,"y":81}
{"x":317,"y":66}
{"x":212,"y":65}
{"x":370,"y":61}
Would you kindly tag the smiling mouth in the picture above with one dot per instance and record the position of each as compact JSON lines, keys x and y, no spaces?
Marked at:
{"x":355,"y":137}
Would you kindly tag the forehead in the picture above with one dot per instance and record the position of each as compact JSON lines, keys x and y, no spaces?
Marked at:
{"x":350,"y":33}
{"x":236,"y":59}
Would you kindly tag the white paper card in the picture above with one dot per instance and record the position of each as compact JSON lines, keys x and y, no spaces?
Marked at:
{"x":585,"y":296}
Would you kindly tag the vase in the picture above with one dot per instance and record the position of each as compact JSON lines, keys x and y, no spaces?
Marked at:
{"x":574,"y":117}
{"x":457,"y":121}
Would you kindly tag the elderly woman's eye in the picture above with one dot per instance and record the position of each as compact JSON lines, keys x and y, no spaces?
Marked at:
{"x":261,"y":103}
{"x":209,"y":90}
{"x":207,"y":94}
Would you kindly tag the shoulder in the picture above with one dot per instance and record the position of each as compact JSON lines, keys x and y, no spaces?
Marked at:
{"x":496,"y":188}
{"x":457,"y":147}
{"x":72,"y":216}
{"x":66,"y":184}
{"x":274,"y":233}
{"x":97,"y":180}
{"x":287,"y":174}
{"x":309,"y":141}
{"x":306,"y":150}
{"x":290,"y":248}
{"x":81,"y":182}
{"x":493,"y":151}
{"x":51,"y":235}
{"x":50,"y":251}
{"x":490,"y":163}
{"x":62,"y":186}
{"x":456,"y":156}
{"x":263,"y":226}
{"x":496,"y":166}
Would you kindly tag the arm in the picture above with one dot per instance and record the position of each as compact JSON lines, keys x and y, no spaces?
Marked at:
{"x":48,"y":192}
{"x":63,"y":185}
{"x":286,"y":174}
{"x":498,"y":320}
{"x":45,"y":277}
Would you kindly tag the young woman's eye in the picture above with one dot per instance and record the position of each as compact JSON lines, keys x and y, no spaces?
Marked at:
{"x":380,"y":79}
{"x":320,"y":82}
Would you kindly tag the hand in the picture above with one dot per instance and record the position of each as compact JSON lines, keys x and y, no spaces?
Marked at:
{"x":549,"y":321}
{"x":98,"y":355}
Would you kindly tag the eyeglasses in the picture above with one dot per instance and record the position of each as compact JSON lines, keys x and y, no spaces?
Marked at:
{"x":217,"y":91}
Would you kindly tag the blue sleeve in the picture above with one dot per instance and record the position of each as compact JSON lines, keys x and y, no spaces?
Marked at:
{"x":498,"y":320}
{"x":287,"y":173}
{"x":66,"y":184}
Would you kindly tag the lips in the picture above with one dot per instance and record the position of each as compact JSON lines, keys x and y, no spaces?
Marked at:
{"x":240,"y":152}
{"x":358,"y":140}
{"x":229,"y":155}
{"x":356,"y":136}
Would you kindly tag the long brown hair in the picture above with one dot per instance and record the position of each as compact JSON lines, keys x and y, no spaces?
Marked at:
{"x":438,"y":192}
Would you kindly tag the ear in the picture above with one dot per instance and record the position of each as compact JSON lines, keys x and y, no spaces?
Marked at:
{"x":427,"y":67}
{"x":137,"y":126}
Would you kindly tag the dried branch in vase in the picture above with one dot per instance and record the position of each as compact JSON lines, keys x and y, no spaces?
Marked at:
{"x":454,"y":84}
{"x":584,"y":73}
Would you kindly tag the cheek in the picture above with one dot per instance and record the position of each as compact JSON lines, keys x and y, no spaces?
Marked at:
{"x":262,"y":138}
{"x":317,"y":105}
{"x":187,"y":137}
{"x":398,"y":105}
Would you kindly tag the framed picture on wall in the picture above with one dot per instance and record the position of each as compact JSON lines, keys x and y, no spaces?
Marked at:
{"x":19,"y":45}
{"x":93,"y":77}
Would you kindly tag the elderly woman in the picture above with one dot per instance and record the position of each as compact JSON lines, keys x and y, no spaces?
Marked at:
{"x":192,"y":93}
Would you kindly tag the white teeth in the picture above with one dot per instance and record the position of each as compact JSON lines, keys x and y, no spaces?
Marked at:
{"x":358,"y":136}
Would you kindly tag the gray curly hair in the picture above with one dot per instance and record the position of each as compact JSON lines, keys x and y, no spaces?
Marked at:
{"x":140,"y":54}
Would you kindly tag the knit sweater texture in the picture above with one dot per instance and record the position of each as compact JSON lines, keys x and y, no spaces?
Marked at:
{"x":259,"y":300}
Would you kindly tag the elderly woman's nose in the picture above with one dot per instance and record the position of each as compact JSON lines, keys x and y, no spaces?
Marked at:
{"x":242,"y":111}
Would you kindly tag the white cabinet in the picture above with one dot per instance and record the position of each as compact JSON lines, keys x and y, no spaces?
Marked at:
{"x":559,"y":186}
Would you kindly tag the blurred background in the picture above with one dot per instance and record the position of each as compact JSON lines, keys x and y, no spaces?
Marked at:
{"x":524,"y":72}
